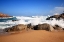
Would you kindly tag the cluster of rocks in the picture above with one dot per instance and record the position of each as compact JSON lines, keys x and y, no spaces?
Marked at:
{"x":57,"y":17}
{"x":4,"y":15}
{"x":44,"y":26}
{"x":16,"y":28}
{"x":47,"y":27}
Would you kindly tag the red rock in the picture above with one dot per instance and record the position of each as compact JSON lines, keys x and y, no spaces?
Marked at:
{"x":4,"y":15}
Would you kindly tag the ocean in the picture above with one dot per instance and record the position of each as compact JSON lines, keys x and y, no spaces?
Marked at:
{"x":34,"y":20}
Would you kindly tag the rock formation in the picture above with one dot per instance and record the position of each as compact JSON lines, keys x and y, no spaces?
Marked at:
{"x":57,"y":17}
{"x":16,"y":28}
{"x":45,"y":26}
{"x":4,"y":15}
{"x":56,"y":27}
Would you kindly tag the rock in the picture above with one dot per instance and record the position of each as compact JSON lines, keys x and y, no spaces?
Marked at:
{"x":30,"y":26}
{"x":4,"y":15}
{"x":49,"y":17}
{"x":35,"y":27}
{"x":56,"y":27}
{"x":63,"y":28}
{"x":45,"y":26}
{"x":57,"y":17}
{"x":51,"y":28}
{"x":22,"y":27}
{"x":7,"y":30}
{"x":16,"y":28}
{"x":62,"y":15}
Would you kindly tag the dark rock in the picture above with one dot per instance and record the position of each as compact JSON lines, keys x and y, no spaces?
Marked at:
{"x":30,"y":26}
{"x":57,"y":17}
{"x":16,"y":28}
{"x":44,"y":26}
{"x":35,"y":27}
{"x":56,"y":27}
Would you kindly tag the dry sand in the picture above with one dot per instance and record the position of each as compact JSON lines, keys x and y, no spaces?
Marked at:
{"x":34,"y":36}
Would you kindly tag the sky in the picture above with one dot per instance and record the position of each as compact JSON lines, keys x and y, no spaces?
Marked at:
{"x":31,"y":7}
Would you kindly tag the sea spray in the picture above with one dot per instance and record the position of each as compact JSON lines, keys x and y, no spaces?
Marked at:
{"x":34,"y":20}
{"x":40,"y":20}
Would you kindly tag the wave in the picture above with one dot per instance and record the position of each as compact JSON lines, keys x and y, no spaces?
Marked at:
{"x":34,"y":20}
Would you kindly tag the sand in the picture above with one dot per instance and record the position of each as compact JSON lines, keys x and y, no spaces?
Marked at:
{"x":34,"y":36}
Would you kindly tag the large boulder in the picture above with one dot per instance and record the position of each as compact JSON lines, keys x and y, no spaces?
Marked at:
{"x":16,"y":28}
{"x":45,"y":26}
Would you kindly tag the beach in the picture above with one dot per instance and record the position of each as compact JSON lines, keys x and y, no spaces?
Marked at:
{"x":34,"y":36}
{"x":31,"y":20}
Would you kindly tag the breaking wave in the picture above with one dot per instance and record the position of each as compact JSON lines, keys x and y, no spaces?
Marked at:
{"x":34,"y":20}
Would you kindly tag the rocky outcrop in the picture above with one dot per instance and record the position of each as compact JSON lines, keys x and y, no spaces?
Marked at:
{"x":16,"y":28}
{"x":45,"y":26}
{"x":4,"y":15}
{"x":56,"y":27}
{"x":57,"y":17}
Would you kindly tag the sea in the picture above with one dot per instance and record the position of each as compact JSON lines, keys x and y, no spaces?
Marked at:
{"x":34,"y":20}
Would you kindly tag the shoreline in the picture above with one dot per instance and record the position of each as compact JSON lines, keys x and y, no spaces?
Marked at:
{"x":34,"y":36}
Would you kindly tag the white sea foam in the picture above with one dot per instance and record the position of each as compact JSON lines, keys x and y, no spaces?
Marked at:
{"x":34,"y":20}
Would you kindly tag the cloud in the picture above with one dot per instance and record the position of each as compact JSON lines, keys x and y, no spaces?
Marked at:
{"x":57,"y":10}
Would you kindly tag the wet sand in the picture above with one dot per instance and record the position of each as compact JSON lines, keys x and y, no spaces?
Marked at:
{"x":34,"y":36}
